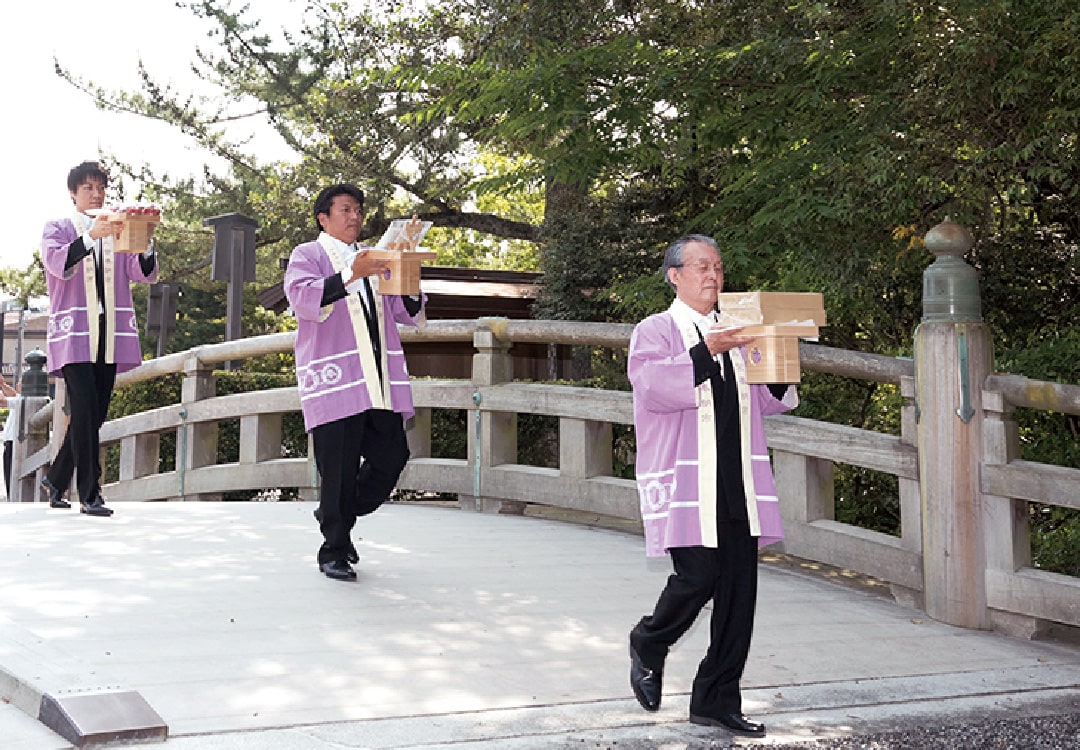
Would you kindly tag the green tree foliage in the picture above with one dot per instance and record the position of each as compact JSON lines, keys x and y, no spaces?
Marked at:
{"x":817,"y":141}
{"x":26,"y":283}
{"x":814,"y":139}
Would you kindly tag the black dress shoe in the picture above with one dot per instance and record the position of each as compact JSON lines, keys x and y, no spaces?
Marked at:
{"x":339,"y":570}
{"x":351,"y":556}
{"x":647,"y":683}
{"x":95,"y":507}
{"x":734,"y":723}
{"x":56,"y":497}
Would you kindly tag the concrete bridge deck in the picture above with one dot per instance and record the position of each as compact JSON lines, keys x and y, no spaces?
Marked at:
{"x":465,"y":630}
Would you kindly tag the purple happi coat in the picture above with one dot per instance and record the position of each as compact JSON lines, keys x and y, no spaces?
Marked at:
{"x":676,"y":457}
{"x":332,"y":345}
{"x":73,"y":300}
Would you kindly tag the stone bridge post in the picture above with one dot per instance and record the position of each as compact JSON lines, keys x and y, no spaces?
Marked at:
{"x":953,"y":357}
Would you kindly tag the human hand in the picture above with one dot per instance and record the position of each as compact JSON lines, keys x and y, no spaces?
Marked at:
{"x":364,"y":265}
{"x":725,"y":339}
{"x":103,"y":227}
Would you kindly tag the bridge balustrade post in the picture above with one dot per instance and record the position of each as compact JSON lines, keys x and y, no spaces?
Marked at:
{"x":418,"y":433}
{"x":139,"y":455}
{"x":806,"y":491}
{"x":908,"y":490}
{"x":1008,"y":531}
{"x":584,"y":448}
{"x":311,"y":492}
{"x":260,"y":438}
{"x":953,"y":356}
{"x":196,"y":442}
{"x":493,"y":438}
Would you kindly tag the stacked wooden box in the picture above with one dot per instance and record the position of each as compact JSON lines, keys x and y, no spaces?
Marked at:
{"x":778,"y":320}
{"x":399,"y":247}
{"x":138,"y":222}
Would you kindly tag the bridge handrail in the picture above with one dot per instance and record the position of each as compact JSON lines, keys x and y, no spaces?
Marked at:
{"x":805,"y":451}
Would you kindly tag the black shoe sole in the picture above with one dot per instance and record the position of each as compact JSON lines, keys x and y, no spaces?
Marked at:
{"x":707,"y":721}
{"x":348,"y":575}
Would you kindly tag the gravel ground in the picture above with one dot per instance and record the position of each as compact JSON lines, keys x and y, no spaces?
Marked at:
{"x":1032,"y":733}
{"x":1041,"y":733}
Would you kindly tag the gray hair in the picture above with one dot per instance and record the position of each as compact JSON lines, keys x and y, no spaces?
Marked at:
{"x":673,"y":256}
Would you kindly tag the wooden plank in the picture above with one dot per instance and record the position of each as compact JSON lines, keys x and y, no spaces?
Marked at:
{"x":1037,"y":593}
{"x":1026,"y":480}
{"x":284,"y":472}
{"x":869,"y":552}
{"x":536,"y":484}
{"x":560,"y":401}
{"x":443,"y":394}
{"x":437,"y":475}
{"x":1036,"y":394}
{"x":843,"y":444}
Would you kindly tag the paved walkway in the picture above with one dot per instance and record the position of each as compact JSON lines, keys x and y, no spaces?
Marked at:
{"x":464,"y":630}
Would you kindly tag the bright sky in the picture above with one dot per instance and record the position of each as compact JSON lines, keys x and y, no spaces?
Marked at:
{"x":50,"y":126}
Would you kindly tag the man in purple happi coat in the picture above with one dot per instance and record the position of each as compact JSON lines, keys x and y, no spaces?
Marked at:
{"x":708,"y":498}
{"x":93,"y":334}
{"x":350,"y":370}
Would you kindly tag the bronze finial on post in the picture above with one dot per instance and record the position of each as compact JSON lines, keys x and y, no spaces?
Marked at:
{"x":950,"y":286}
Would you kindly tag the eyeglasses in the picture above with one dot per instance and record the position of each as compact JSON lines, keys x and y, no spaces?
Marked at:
{"x":703,"y":268}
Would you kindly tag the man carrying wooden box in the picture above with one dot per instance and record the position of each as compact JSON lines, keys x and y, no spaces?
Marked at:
{"x":708,"y":498}
{"x":350,"y":370}
{"x":93,"y":335}
{"x":776,"y":320}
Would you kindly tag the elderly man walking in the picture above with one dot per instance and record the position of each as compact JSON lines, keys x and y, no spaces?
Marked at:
{"x":708,"y":498}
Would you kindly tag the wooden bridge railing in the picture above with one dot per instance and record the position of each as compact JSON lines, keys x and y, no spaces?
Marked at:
{"x":805,"y":452}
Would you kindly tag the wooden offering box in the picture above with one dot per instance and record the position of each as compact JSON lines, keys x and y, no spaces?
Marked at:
{"x":404,"y":271}
{"x":399,"y":246}
{"x":135,"y":236}
{"x":778,"y":320}
{"x":773,"y":357}
{"x":770,"y":308}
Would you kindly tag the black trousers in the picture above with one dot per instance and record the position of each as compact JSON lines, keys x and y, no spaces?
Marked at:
{"x":7,"y":467}
{"x":89,"y":388}
{"x":728,"y":576}
{"x":350,"y":489}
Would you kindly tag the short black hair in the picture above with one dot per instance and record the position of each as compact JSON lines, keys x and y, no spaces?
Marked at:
{"x":326,"y":196}
{"x":80,"y":174}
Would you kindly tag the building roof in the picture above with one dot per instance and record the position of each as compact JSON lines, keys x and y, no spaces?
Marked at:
{"x":458,"y":293}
